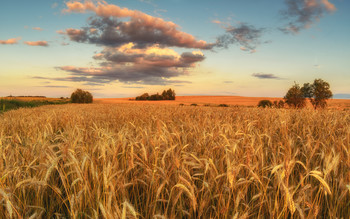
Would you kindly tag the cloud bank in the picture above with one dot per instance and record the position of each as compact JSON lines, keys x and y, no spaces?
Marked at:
{"x":137,"y":48}
{"x":302,"y":14}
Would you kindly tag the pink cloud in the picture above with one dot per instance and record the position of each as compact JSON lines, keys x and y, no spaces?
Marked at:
{"x":304,"y":13}
{"x":37,"y":28}
{"x":10,"y":41}
{"x":36,"y":43}
{"x":329,"y":6}
{"x":216,"y":22}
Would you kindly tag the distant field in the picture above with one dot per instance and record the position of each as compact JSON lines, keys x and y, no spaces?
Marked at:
{"x":31,"y":98}
{"x":216,"y":100}
{"x":166,"y":161}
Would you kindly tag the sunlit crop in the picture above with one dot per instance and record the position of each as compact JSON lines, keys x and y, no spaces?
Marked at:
{"x":170,"y":161}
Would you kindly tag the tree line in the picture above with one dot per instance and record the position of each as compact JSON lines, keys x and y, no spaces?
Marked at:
{"x":318,"y":93}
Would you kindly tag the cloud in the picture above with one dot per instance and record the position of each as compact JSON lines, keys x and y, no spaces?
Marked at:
{"x":142,"y":29}
{"x":138,"y":74}
{"x":265,"y":76}
{"x":37,"y":43}
{"x":136,"y":46}
{"x":10,"y":41}
{"x":216,"y":22}
{"x":302,"y":14}
{"x":244,"y":35}
{"x":37,"y":28}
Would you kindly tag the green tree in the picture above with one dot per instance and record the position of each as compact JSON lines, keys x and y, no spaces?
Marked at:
{"x":81,"y":96}
{"x":295,"y":97}
{"x":318,"y":93}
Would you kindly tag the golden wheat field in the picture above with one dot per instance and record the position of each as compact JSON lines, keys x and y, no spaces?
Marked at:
{"x":167,"y":161}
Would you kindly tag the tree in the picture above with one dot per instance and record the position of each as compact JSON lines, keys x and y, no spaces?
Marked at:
{"x":81,"y":96}
{"x":295,"y":97}
{"x":171,"y":94}
{"x":144,"y":96}
{"x":265,"y":103}
{"x":318,"y":93}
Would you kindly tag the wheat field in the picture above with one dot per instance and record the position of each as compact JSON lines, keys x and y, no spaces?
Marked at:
{"x":167,"y":161}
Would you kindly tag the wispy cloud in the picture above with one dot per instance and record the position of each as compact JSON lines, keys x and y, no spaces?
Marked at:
{"x":227,"y":82}
{"x":37,"y":43}
{"x":302,"y":14}
{"x":10,"y":41}
{"x":37,"y":28}
{"x":246,"y":36}
{"x":265,"y":76}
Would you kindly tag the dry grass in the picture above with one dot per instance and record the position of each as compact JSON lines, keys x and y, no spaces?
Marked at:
{"x":167,"y":161}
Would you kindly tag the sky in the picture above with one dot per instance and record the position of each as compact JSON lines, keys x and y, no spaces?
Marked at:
{"x":123,"y":48}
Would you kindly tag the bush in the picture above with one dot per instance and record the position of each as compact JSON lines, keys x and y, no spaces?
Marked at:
{"x":81,"y":96}
{"x":278,"y":104}
{"x":281,"y":104}
{"x":223,"y":105}
{"x":194,"y":104}
{"x":265,"y":103}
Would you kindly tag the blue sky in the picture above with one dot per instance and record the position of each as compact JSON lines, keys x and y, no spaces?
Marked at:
{"x":125,"y":48}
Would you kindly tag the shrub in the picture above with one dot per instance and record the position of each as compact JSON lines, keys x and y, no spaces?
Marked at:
{"x":194,"y":104}
{"x":281,"y":104}
{"x":181,"y":104}
{"x":265,"y":103}
{"x":278,"y":104}
{"x":223,"y":105}
{"x":81,"y":96}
